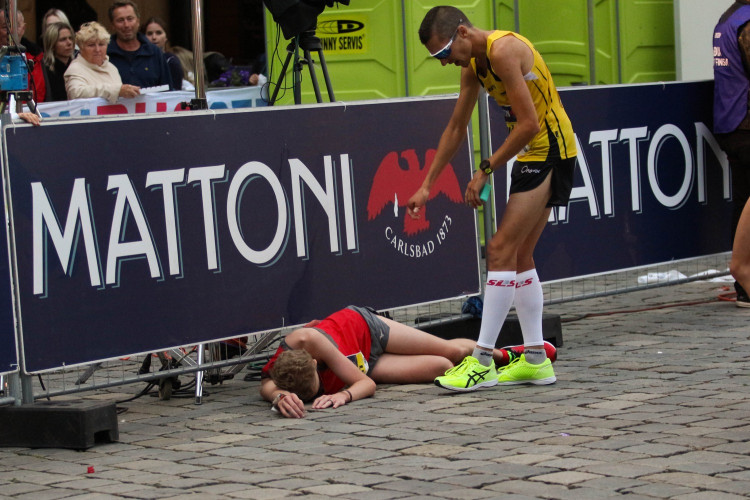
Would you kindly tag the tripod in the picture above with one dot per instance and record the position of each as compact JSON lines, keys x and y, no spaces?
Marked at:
{"x":308,"y":42}
{"x":13,"y":79}
{"x":20,"y":97}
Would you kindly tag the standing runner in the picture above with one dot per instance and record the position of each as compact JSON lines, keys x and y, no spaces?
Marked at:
{"x":511,"y":70}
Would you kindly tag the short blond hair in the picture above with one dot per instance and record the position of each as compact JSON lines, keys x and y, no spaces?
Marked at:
{"x":294,"y":371}
{"x":92,"y":31}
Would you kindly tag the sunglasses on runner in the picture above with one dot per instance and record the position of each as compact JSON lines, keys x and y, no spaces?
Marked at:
{"x":446,"y":51}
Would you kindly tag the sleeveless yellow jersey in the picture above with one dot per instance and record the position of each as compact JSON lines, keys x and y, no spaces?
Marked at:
{"x":555,"y":138}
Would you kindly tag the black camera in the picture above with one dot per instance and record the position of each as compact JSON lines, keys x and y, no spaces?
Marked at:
{"x":297,"y":16}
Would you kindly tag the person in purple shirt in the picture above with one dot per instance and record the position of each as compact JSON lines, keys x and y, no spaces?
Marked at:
{"x":732,"y":107}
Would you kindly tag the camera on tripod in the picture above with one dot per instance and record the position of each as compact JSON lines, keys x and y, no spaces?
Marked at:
{"x":298,"y":20}
{"x":13,"y":71}
{"x":297,"y":16}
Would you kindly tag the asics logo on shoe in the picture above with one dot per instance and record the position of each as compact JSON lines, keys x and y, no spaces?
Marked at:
{"x":504,"y":283}
{"x":475,"y":377}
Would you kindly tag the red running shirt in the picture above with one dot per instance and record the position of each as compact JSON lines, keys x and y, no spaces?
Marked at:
{"x":349,"y":332}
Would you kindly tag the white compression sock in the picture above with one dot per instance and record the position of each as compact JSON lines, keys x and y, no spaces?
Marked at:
{"x":529,"y":301}
{"x":498,"y":297}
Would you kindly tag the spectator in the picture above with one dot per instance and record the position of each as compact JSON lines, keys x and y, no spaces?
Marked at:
{"x":32,"y":118}
{"x":76,"y":11}
{"x":59,"y":50}
{"x":139,"y":61}
{"x":156,"y":31}
{"x":91,"y":74}
{"x":216,"y":65}
{"x":36,"y":76}
{"x":31,"y":47}
{"x":52,"y":16}
{"x":187,"y":61}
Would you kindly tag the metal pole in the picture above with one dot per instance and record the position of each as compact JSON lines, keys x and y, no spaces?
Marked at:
{"x":20,"y":384}
{"x":486,"y":152}
{"x":619,"y":42}
{"x":406,"y":51}
{"x":200,"y":72}
{"x":199,"y":377}
{"x":13,"y":21}
{"x":15,"y":390}
{"x":592,"y":44}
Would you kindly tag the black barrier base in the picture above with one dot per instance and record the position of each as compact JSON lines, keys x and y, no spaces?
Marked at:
{"x":58,"y":424}
{"x":510,"y":333}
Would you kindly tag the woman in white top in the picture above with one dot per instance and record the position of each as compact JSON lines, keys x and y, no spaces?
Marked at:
{"x":91,"y":74}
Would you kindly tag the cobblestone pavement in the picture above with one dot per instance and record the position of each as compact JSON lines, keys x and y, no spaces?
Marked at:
{"x":649,"y":403}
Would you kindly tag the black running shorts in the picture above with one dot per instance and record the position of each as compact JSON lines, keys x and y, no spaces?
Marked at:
{"x":528,"y":175}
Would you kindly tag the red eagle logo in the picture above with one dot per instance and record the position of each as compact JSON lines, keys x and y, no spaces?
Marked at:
{"x":394,"y":184}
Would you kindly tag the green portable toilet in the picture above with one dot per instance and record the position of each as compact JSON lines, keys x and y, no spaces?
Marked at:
{"x":560,"y":35}
{"x":647,"y":52}
{"x":362,"y":44}
{"x":603,"y":16}
{"x":632,"y":41}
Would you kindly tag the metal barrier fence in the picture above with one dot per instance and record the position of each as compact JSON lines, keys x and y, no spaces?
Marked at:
{"x":216,"y":362}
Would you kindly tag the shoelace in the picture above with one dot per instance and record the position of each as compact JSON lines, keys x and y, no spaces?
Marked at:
{"x":459,"y":368}
{"x":512,"y":362}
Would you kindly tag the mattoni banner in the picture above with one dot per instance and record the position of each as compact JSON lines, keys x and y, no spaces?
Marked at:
{"x":652,"y":183}
{"x":140,"y":233}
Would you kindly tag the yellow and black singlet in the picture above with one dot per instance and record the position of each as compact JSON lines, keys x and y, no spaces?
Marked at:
{"x":555,"y":138}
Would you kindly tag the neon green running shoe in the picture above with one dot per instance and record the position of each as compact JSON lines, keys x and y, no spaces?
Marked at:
{"x":469,"y":375}
{"x":520,"y":371}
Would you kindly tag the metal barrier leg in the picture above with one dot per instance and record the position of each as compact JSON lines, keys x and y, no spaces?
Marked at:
{"x":199,"y":378}
{"x":87,"y":373}
{"x":15,"y":391}
{"x":27,"y":389}
{"x":6,"y":399}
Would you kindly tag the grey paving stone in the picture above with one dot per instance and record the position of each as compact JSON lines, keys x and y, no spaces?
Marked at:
{"x":377,"y":495}
{"x":623,"y":420}
{"x":20,"y":488}
{"x":46,"y":494}
{"x":415,"y":486}
{"x":711,"y":495}
{"x":262,"y":494}
{"x":335,"y":490}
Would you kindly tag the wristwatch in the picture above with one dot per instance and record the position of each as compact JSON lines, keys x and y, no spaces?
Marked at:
{"x":277,"y":400}
{"x":484,"y":166}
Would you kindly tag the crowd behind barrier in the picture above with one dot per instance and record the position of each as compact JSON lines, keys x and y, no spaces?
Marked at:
{"x":157,"y":102}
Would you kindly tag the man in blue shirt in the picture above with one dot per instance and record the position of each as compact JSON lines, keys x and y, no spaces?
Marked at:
{"x":139,"y":62}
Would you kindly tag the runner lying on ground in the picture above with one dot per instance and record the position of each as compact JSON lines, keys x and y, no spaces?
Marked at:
{"x":341,"y":359}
